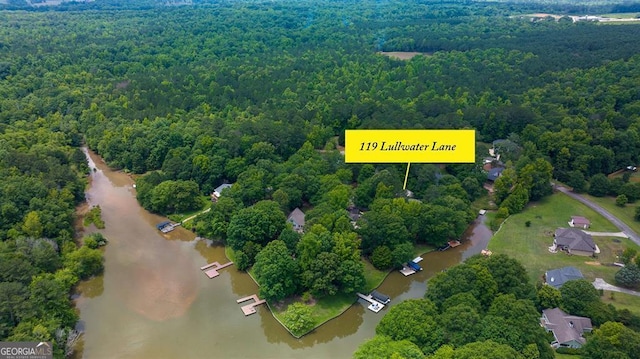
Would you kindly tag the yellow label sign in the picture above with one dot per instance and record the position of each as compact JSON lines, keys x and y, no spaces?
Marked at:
{"x":410,"y":146}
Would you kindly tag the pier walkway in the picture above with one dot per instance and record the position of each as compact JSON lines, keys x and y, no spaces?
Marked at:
{"x":250,"y":308}
{"x":211,"y":269}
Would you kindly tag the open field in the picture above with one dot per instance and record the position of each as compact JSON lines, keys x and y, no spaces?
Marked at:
{"x":626,"y":15}
{"x":530,"y":244}
{"x":400,"y":55}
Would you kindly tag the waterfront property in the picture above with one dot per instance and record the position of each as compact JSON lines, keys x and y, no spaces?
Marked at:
{"x":250,"y":308}
{"x":211,"y":269}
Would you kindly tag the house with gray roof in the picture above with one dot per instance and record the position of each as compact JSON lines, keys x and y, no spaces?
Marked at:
{"x":494,"y":173}
{"x":557,"y":277}
{"x":567,"y":329}
{"x":574,"y":241}
{"x":217,"y":192}
{"x":296,"y":218}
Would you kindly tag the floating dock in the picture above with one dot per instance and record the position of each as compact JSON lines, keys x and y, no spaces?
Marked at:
{"x":250,"y":308}
{"x":453,"y":244}
{"x":374,"y":305}
{"x":211,"y":269}
{"x":407,"y":271}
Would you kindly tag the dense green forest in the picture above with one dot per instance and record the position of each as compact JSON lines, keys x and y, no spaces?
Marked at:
{"x":259,"y":94}
{"x":41,"y":181}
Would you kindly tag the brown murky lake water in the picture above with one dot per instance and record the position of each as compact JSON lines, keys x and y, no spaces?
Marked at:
{"x":153,"y":301}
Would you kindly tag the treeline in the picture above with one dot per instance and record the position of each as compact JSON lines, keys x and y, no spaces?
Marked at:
{"x":147,"y":94}
{"x":42,"y":179}
{"x":488,"y":305}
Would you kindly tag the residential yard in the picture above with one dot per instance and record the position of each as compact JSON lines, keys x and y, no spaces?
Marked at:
{"x":623,"y":301}
{"x":530,"y":244}
{"x":625,"y":214}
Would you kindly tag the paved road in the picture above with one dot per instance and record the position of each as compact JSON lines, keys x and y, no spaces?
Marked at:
{"x":613,"y":219}
{"x":599,"y":283}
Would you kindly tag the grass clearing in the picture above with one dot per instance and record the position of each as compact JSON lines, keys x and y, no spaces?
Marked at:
{"x":566,"y":356}
{"x":622,"y":301}
{"x":373,"y":277}
{"x":530,"y":244}
{"x":623,"y":15}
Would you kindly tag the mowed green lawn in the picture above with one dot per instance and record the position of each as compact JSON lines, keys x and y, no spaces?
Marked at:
{"x":623,"y":301}
{"x":625,"y":214}
{"x":530,"y":244}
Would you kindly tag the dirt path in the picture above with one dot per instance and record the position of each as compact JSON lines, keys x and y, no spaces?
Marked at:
{"x":613,"y":219}
{"x":195,"y":215}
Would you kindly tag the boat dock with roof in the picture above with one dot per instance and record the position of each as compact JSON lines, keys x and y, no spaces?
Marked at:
{"x":167,"y":226}
{"x":374,"y":305}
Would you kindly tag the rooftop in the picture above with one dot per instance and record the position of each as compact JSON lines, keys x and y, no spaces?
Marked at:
{"x":557,"y":277}
{"x":575,"y":239}
{"x":565,"y":327}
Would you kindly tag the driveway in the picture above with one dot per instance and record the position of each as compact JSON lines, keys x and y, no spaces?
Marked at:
{"x":613,"y":219}
{"x":607,"y":234}
{"x":599,"y":283}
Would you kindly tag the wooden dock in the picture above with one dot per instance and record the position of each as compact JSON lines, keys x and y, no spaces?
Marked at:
{"x":374,"y":305}
{"x":407,"y":271}
{"x":453,"y":244}
{"x":211,"y":269}
{"x":250,"y":308}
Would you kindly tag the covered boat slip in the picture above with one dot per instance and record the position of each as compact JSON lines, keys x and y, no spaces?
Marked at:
{"x":376,"y":299}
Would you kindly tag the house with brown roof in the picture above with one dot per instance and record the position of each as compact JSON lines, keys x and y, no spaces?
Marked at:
{"x":580,"y":222}
{"x":574,"y":241}
{"x":296,"y":218}
{"x":567,"y":329}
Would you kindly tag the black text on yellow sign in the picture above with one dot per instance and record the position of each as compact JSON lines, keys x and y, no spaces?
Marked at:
{"x":410,"y":146}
